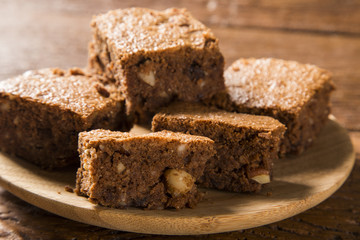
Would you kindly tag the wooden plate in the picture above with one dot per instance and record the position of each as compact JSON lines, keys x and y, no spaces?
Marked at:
{"x":299,"y":183}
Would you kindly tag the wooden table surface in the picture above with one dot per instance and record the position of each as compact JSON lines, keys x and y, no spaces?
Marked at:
{"x":39,"y":33}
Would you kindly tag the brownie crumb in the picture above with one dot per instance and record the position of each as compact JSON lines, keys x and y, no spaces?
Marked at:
{"x":76,"y":72}
{"x":69,"y":189}
{"x":102,"y":90}
{"x":59,"y":72}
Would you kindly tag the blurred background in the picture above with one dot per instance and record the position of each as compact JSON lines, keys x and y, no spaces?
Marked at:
{"x":41,"y":33}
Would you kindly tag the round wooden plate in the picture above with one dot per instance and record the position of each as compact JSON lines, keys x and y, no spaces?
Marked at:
{"x":299,"y":183}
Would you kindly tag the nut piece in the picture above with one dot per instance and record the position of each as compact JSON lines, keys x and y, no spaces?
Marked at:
{"x":178,"y":182}
{"x":87,"y":156}
{"x":86,"y":164}
{"x":181,"y":149}
{"x":102,"y":147}
{"x":262,"y":179}
{"x":201,"y":83}
{"x":149,"y":77}
{"x":120,"y":167}
{"x":261,"y":176}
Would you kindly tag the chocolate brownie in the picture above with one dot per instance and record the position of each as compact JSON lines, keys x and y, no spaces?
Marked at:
{"x":42,"y":112}
{"x":156,"y":56}
{"x":246,"y":144}
{"x":153,"y":171}
{"x":296,"y":94}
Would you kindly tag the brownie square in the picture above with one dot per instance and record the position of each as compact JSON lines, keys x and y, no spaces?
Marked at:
{"x":153,"y":171}
{"x":296,"y":94}
{"x":42,"y":112}
{"x":156,"y":57}
{"x":246,"y":145}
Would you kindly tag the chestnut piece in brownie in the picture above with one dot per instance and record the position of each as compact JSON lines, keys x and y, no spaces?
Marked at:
{"x":153,"y":171}
{"x":296,"y":94}
{"x":42,"y":112}
{"x":246,"y":144}
{"x":156,"y":56}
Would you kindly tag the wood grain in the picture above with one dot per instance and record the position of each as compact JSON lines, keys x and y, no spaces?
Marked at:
{"x":330,"y":16}
{"x":45,"y":35}
{"x":299,"y":183}
{"x":336,"y":218}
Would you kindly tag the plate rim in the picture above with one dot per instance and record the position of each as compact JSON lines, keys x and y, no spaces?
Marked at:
{"x":206,"y":224}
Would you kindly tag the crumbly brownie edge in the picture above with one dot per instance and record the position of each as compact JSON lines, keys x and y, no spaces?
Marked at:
{"x":231,"y":167}
{"x":301,"y":131}
{"x":169,"y":79}
{"x":203,"y":72}
{"x":38,"y":132}
{"x":99,"y":56}
{"x":186,"y":74}
{"x":310,"y":121}
{"x":94,"y":64}
{"x":112,"y":117}
{"x":103,"y":192}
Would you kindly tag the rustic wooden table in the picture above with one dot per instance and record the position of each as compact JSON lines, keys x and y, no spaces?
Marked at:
{"x":40,"y":33}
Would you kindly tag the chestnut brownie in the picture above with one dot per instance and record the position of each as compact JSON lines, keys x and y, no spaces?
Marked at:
{"x":246,"y":144}
{"x":153,"y":171}
{"x":156,"y":56}
{"x":296,"y":94}
{"x":42,"y":112}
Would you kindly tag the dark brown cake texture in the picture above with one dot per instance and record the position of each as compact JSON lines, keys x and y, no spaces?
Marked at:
{"x":153,"y":171}
{"x":156,"y":56}
{"x":296,"y":94}
{"x":246,"y":145}
{"x":42,"y":112}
